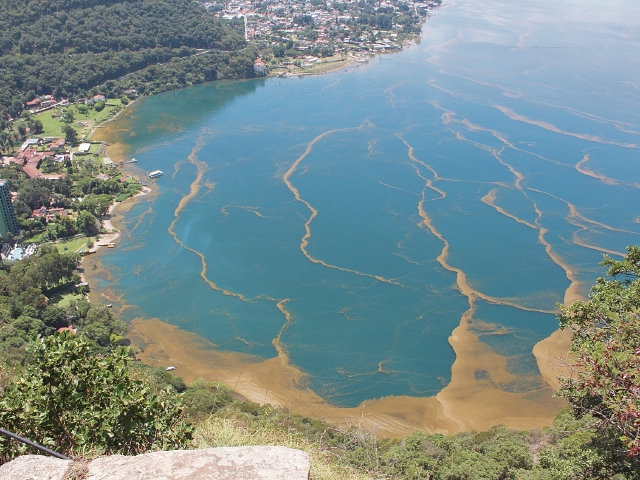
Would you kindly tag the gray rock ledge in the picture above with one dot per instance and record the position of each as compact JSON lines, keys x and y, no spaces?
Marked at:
{"x":223,"y":463}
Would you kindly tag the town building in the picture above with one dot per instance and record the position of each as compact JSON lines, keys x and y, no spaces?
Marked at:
{"x":84,"y":148}
{"x":259,"y":68}
{"x":8,"y":222}
{"x":49,"y":214}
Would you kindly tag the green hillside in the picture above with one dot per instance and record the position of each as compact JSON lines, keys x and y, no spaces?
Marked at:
{"x":68,"y":47}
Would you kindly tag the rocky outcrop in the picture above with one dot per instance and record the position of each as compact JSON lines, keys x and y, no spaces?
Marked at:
{"x":223,"y":463}
{"x":35,"y":467}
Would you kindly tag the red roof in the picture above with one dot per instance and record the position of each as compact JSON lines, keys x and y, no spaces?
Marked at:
{"x":67,"y":329}
{"x":31,"y":171}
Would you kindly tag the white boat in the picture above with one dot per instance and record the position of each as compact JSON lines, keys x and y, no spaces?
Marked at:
{"x":156,"y":174}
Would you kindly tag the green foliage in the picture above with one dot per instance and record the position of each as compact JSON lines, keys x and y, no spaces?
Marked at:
{"x":571,"y":455}
{"x":84,"y":43}
{"x":73,"y":401}
{"x":25,"y":311}
{"x":495,"y":454}
{"x":605,"y":369}
{"x":70,"y":134}
{"x":203,"y":399}
{"x":99,"y":106}
{"x":87,"y":223}
{"x":37,"y":127}
{"x":82,"y":109}
{"x":97,"y":205}
{"x":67,"y":116}
{"x":99,"y":325}
{"x":35,"y":193}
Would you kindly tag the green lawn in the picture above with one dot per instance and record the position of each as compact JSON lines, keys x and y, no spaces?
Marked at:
{"x":53,"y":126}
{"x":75,"y":245}
{"x":65,"y":299}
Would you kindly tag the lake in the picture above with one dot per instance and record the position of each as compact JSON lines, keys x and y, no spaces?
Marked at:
{"x":398,"y":233}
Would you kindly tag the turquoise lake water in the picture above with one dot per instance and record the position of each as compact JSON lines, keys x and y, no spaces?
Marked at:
{"x":499,"y":100}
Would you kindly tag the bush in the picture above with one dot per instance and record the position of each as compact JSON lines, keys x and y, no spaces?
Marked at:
{"x":203,"y":399}
{"x":72,"y":401}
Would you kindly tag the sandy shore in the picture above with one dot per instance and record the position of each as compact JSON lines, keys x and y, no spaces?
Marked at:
{"x":469,"y":402}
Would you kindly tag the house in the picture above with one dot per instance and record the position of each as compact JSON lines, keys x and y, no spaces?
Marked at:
{"x":259,"y":68}
{"x":49,"y":214}
{"x":29,"y":142}
{"x":33,"y":103}
{"x":52,"y":176}
{"x":103,"y":176}
{"x":31,"y":161}
{"x":84,"y":148}
{"x":96,"y":98}
{"x":57,"y":145}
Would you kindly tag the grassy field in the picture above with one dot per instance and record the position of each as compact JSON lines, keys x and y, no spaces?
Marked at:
{"x":53,"y":126}
{"x":64,"y":300}
{"x":76,"y":245}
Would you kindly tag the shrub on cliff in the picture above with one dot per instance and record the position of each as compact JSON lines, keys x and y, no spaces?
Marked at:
{"x":605,"y":367}
{"x":74,"y":402}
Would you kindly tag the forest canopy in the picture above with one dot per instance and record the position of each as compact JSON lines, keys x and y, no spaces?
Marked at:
{"x":67,"y":47}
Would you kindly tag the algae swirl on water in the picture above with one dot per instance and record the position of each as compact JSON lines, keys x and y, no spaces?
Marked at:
{"x":404,"y":228}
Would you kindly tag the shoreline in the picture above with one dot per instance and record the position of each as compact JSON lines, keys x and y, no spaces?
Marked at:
{"x":466,"y":403}
{"x":108,"y":239}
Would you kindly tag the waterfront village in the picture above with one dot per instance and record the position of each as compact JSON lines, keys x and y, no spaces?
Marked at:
{"x":295,"y":36}
{"x":58,"y":185}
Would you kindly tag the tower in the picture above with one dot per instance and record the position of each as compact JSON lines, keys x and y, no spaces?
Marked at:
{"x":8,"y":222}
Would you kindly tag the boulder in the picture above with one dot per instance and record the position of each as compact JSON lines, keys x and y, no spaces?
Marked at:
{"x":222,"y":463}
{"x":35,"y":467}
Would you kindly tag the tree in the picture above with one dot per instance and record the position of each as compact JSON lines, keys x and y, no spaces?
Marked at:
{"x":71,"y":401}
{"x":36,"y":126}
{"x":34,"y":193}
{"x":65,"y":226}
{"x":67,"y":117}
{"x":98,"y":205}
{"x":87,"y":223}
{"x":83,"y":109}
{"x":21,"y":209}
{"x":100,"y":326}
{"x":605,"y":367}
{"x":70,"y":134}
{"x":99,"y":106}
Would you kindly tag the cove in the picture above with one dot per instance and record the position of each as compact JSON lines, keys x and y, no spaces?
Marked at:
{"x":402,"y":230}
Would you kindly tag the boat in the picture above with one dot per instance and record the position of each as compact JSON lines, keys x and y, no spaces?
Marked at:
{"x":156,"y":174}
